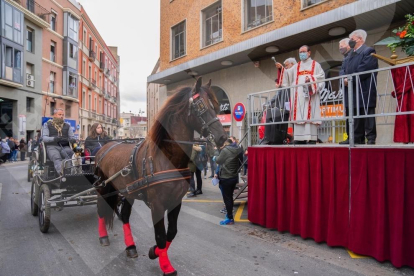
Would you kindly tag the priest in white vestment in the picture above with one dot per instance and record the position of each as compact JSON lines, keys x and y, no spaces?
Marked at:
{"x":305,"y":100}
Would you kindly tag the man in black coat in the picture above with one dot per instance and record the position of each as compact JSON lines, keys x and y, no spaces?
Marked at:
{"x":361,"y":60}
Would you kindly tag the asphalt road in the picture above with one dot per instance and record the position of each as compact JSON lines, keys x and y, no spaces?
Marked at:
{"x":202,"y":246}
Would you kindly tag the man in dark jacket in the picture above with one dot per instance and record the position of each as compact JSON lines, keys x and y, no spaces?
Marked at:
{"x":57,"y":134}
{"x":345,"y":50}
{"x":361,"y":60}
{"x":229,"y":162}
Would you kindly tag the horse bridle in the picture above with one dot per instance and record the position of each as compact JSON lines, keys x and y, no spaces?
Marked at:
{"x":199,"y":107}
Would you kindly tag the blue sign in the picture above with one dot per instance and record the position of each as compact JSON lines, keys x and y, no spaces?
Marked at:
{"x":239,"y":112}
{"x":72,"y":123}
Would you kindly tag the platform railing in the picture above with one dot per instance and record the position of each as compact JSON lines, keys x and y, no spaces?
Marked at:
{"x":391,"y":101}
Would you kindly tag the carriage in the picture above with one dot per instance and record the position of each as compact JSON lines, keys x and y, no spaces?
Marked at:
{"x":50,"y":190}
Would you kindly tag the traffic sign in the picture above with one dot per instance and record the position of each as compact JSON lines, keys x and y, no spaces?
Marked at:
{"x":239,"y":111}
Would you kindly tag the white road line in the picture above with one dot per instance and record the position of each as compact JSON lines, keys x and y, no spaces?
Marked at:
{"x":0,"y":190}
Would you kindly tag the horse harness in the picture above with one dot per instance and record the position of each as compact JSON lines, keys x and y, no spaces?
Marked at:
{"x":146,"y":180}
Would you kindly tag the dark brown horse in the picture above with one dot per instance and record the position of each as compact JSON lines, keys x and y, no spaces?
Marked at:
{"x":158,"y":171}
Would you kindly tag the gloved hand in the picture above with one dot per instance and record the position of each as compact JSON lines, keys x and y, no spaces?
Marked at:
{"x":57,"y":139}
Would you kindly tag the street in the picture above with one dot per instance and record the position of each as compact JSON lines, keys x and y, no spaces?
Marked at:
{"x":202,"y":246}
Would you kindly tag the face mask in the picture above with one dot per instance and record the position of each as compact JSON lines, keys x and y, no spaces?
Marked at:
{"x":352,"y":43}
{"x":303,"y":56}
{"x":343,"y":51}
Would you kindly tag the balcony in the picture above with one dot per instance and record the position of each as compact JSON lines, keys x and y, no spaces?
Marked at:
{"x":108,"y":119}
{"x":93,"y":114}
{"x":101,"y":66}
{"x":92,"y":55}
{"x":107,"y":72}
{"x":114,"y":121}
{"x":35,"y":12}
{"x":113,"y":99}
{"x":107,"y":96}
{"x":92,"y":84}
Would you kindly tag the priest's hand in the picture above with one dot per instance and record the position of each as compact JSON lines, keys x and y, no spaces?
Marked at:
{"x":307,"y":79}
{"x":279,"y":65}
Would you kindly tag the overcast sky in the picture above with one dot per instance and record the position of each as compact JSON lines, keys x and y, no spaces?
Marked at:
{"x":135,"y":29}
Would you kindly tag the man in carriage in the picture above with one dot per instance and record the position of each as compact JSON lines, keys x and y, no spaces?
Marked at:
{"x":57,"y":135}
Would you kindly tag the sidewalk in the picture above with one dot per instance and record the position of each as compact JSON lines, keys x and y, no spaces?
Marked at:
{"x":8,"y":164}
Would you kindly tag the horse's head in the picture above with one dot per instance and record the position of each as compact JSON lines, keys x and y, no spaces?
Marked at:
{"x":203,"y":109}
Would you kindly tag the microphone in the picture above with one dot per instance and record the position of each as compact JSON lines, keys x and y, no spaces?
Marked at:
{"x":273,"y":58}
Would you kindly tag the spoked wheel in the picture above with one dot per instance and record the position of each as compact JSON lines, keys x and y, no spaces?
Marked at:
{"x":34,"y":209}
{"x":119,"y":206}
{"x":44,"y":208}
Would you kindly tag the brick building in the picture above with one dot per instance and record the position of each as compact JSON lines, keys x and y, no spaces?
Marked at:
{"x":99,"y":80}
{"x":232,"y":42}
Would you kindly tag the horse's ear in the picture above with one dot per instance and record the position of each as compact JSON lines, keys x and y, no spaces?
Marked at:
{"x":197,"y":86}
{"x":208,"y":85}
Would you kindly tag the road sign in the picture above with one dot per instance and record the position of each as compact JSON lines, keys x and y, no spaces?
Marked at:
{"x":239,"y":112}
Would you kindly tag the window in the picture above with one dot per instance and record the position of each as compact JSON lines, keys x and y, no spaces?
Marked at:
{"x":178,"y":40}
{"x":83,"y":99}
{"x":73,"y":51}
{"x":72,"y":85}
{"x":53,"y":51}
{"x":29,"y":40}
{"x":53,"y":21}
{"x":212,"y":24}
{"x":100,"y":106}
{"x":84,"y":68}
{"x":12,"y":64}
{"x":52,"y":82}
{"x":52,"y":107}
{"x":90,"y":102}
{"x":67,"y":111}
{"x":73,"y":28}
{"x":96,"y":105}
{"x":308,"y":3}
{"x":257,"y":12}
{"x":13,"y":23}
{"x":84,"y":37}
{"x":90,"y":72}
{"x":29,"y":105}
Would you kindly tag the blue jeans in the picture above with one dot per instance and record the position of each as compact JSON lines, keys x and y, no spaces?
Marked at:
{"x":14,"y":155}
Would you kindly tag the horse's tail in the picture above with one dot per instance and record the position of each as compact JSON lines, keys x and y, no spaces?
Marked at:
{"x":107,"y":204}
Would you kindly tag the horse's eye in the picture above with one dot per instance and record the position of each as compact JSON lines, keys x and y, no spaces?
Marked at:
{"x":211,"y":104}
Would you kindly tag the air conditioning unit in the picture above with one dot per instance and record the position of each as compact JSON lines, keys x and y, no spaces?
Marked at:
{"x":30,"y":77}
{"x":30,"y":83}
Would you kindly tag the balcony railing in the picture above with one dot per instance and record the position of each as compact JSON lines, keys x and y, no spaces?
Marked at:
{"x":107,"y":96}
{"x":93,"y":114}
{"x":35,"y":8}
{"x":92,"y":84}
{"x":108,"y":119}
{"x":92,"y":55}
{"x":102,"y":66}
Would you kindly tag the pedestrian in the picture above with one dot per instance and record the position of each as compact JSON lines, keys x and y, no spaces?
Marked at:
{"x":4,"y":151}
{"x":23,"y":149}
{"x":305,"y":99}
{"x":97,"y":139}
{"x":360,"y":60}
{"x":29,"y":148}
{"x":210,"y":152}
{"x":10,"y":142}
{"x":229,"y":162}
{"x":192,"y":165}
{"x":16,"y":149}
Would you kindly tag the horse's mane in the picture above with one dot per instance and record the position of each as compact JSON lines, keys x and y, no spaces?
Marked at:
{"x":176,"y":106}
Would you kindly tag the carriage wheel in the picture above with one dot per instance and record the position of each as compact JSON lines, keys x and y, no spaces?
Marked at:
{"x":34,"y":209}
{"x":44,"y":208}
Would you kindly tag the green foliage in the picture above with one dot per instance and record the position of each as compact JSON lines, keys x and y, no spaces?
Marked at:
{"x":404,"y":37}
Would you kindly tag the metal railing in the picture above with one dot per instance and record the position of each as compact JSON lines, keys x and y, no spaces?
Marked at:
{"x":102,"y":66}
{"x":92,"y":83}
{"x":358,"y":93}
{"x":35,"y":8}
{"x":92,"y":55}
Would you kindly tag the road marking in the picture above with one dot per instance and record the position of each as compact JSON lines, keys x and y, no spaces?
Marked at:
{"x":239,"y":212}
{"x":0,"y":190}
{"x":356,"y":256}
{"x":202,"y":200}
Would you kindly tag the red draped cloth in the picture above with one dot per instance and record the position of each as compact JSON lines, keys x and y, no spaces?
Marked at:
{"x":300,"y":190}
{"x":403,"y":78}
{"x":382,"y":204}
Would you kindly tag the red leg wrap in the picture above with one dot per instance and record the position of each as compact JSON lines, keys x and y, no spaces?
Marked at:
{"x":168,"y":245}
{"x":129,"y":240}
{"x":164,"y":261}
{"x":102,"y":228}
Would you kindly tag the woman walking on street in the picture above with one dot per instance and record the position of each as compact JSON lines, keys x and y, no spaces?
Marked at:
{"x":23,"y":149}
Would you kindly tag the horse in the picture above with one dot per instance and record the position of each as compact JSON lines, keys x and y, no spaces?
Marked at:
{"x":156,"y":170}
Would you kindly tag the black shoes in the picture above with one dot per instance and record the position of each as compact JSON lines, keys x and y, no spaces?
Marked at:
{"x":191,"y":194}
{"x":198,"y":192}
{"x":371,"y":142}
{"x":359,"y":142}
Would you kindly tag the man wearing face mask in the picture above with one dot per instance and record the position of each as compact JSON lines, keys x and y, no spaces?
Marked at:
{"x":361,"y":60}
{"x":305,"y":100}
{"x":344,"y":49}
{"x":56,"y":135}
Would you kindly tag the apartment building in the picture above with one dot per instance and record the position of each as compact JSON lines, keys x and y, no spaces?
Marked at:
{"x":21,"y":38}
{"x":132,"y":125}
{"x":99,"y":80}
{"x":233,"y":42}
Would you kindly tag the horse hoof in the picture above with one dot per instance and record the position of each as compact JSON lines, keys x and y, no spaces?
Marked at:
{"x":171,"y":274}
{"x":104,"y":241}
{"x":131,"y":252}
{"x":151,"y":253}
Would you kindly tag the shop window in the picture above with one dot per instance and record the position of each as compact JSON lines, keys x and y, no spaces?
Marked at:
{"x":212,"y":24}
{"x":257,"y":12}
{"x":179,"y":40}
